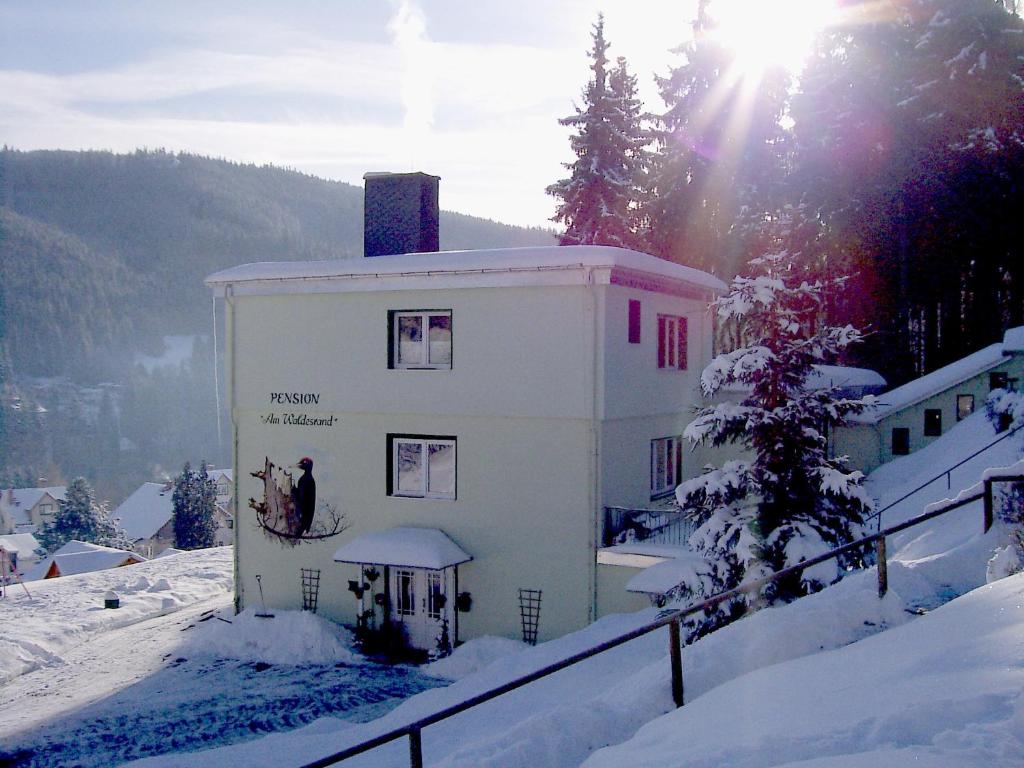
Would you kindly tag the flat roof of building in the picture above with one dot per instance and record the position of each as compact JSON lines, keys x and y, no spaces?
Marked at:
{"x":452,"y":269}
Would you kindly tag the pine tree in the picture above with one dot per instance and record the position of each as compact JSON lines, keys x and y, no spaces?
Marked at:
{"x":599,"y":199}
{"x":80,"y":517}
{"x":908,"y":148}
{"x":194,"y":500}
{"x":790,"y":501}
{"x":718,"y":156}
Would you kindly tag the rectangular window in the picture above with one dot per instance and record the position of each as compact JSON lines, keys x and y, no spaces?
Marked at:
{"x":435,"y":594}
{"x":932,"y":422}
{"x":420,"y":339}
{"x":634,"y":321}
{"x":998,"y":380}
{"x":964,"y":406}
{"x":672,"y":338}
{"x":422,"y":467}
{"x":666,"y":464}
{"x":405,"y":593}
{"x":900,"y":441}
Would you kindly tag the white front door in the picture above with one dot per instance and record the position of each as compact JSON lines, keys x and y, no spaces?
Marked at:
{"x":420,"y":601}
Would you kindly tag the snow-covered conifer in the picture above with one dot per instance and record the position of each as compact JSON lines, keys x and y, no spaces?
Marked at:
{"x":79,"y":516}
{"x":194,"y":500}
{"x":789,"y":501}
{"x":717,"y":160}
{"x":599,"y":199}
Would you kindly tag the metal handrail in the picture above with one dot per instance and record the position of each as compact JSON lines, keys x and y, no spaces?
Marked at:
{"x":672,"y":619}
{"x":945,"y":473}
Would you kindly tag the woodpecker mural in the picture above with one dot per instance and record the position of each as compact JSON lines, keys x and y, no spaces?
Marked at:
{"x":288,"y":511}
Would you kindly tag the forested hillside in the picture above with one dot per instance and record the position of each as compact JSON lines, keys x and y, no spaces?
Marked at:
{"x":101,"y":251}
{"x":103,"y":255}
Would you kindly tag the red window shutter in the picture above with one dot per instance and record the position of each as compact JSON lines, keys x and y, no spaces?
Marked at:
{"x":661,"y":342}
{"x":634,"y":321}
{"x":681,"y":340}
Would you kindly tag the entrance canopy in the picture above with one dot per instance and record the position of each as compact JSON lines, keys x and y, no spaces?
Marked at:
{"x":409,"y":547}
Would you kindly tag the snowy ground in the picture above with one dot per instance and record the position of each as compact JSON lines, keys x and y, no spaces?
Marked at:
{"x":101,"y":687}
{"x":840,"y":679}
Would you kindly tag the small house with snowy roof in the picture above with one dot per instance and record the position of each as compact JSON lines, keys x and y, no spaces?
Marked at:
{"x":909,"y":417}
{"x":81,"y":557}
{"x":147,"y":515}
{"x":473,"y":416}
{"x":24,"y":510}
{"x":17,"y":554}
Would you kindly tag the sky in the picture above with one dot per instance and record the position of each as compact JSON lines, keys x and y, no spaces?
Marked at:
{"x":469,"y":90}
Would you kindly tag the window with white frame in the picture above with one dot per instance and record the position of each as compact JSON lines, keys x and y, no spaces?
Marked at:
{"x":672,"y":342}
{"x":405,"y":592}
{"x":666,"y":464}
{"x":420,"y":339}
{"x":435,"y":594}
{"x":422,"y":467}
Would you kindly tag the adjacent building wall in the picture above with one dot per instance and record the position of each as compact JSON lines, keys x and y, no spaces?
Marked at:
{"x":870,"y":445}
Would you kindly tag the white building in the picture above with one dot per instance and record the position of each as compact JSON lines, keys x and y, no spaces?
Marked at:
{"x":911,"y":416}
{"x":25,"y":510}
{"x":471,"y":414}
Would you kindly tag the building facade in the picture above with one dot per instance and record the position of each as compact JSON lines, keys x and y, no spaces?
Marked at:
{"x":911,"y":416}
{"x":494,"y":402}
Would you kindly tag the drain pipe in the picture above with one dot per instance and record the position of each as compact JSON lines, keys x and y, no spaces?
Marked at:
{"x":595,"y":440}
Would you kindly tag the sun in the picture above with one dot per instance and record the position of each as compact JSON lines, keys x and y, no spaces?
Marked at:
{"x":770,"y":33}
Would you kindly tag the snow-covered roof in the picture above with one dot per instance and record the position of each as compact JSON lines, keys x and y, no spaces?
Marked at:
{"x":23,"y":543}
{"x":217,"y":474}
{"x":844,"y":377}
{"x":853,"y":382}
{"x":82,"y":557}
{"x":932,"y":384}
{"x":18,"y":501}
{"x":168,"y":552}
{"x":500,"y":266}
{"x":146,"y":511}
{"x":660,"y":578}
{"x":411,"y":547}
{"x":1013,"y":340}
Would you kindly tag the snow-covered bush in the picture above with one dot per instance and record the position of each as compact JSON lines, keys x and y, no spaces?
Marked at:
{"x":1005,"y":409}
{"x":790,"y":501}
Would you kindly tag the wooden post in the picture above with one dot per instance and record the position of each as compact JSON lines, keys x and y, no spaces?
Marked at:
{"x":988,"y":505}
{"x":883,"y":567}
{"x":415,"y":749}
{"x":675,"y":652}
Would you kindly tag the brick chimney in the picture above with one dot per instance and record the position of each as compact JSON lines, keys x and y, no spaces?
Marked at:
{"x":400,"y":213}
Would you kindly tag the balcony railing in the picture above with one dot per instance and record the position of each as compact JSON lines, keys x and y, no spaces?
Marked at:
{"x":623,"y":525}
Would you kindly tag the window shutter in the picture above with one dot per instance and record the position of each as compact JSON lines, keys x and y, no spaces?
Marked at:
{"x":661,"y":342}
{"x":681,"y":341}
{"x":634,"y":321}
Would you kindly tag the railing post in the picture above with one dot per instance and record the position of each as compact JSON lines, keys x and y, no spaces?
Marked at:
{"x":675,"y":651}
{"x":415,"y":749}
{"x":989,"y":514}
{"x":883,"y":567}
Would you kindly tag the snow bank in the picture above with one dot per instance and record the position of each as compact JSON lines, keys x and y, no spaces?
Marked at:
{"x":56,"y":614}
{"x":559,"y":720}
{"x":473,"y":656}
{"x":289,"y":637}
{"x":944,"y":690}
